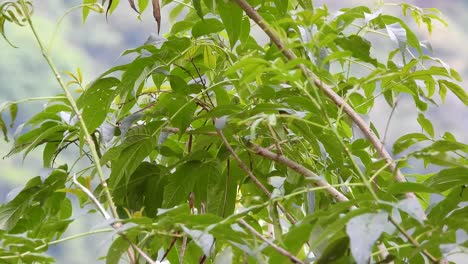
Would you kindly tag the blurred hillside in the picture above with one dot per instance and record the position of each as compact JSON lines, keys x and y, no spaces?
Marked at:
{"x":96,"y":46}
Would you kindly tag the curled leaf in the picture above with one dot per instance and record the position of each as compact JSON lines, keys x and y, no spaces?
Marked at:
{"x":111,"y":7}
{"x":157,"y":13}
{"x":132,"y":5}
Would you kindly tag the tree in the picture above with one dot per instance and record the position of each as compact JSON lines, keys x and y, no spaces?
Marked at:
{"x":218,"y":149}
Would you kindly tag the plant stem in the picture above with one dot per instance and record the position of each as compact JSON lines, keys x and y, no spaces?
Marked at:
{"x":87,"y":137}
{"x":279,"y":249}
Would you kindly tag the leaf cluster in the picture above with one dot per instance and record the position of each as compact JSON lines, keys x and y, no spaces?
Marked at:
{"x":220,"y":149}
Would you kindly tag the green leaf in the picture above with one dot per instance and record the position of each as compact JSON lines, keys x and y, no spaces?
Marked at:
{"x":96,"y":101}
{"x":201,"y":238}
{"x":138,"y":145}
{"x":282,"y":6}
{"x":86,"y":9}
{"x":112,"y":7}
{"x":50,"y":150}
{"x":13,"y":113}
{"x":407,"y":141}
{"x":363,"y":231}
{"x":426,"y":124}
{"x":10,"y":215}
{"x":448,"y":179}
{"x":116,"y":250}
{"x":206,"y":27}
{"x":51,"y":134}
{"x":209,"y":59}
{"x":179,"y":109}
{"x":231,"y":15}
{"x":456,"y":89}
{"x":142,"y":5}
{"x":4,"y":128}
{"x":198,"y":8}
{"x":411,"y":38}
{"x":406,"y":187}
{"x":359,"y":47}
{"x":413,"y":208}
{"x":181,"y":183}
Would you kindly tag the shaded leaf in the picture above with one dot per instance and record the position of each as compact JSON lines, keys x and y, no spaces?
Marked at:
{"x":408,"y":140}
{"x":363,"y":231}
{"x":448,"y":179}
{"x":413,"y":208}
{"x":231,"y":15}
{"x":397,"y":34}
{"x":202,"y":239}
{"x":116,"y":250}
{"x":13,"y":113}
{"x":206,"y":27}
{"x":4,"y":128}
{"x":198,"y":8}
{"x":406,"y":187}
{"x":359,"y":47}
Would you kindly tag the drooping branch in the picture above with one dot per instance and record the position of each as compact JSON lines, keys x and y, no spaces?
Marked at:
{"x":338,"y":100}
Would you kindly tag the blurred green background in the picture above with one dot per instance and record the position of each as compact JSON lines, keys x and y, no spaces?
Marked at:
{"x":97,"y":45}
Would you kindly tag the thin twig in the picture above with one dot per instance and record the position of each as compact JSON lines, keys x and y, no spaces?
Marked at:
{"x":275,"y":138}
{"x":279,"y":249}
{"x":93,"y":198}
{"x":241,"y":164}
{"x":412,"y":240}
{"x":115,"y":225}
{"x":169,"y":248}
{"x":387,"y":126}
{"x":252,"y":176}
{"x":182,"y":249}
{"x":338,"y":100}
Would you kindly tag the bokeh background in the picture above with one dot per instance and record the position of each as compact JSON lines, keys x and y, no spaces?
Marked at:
{"x":96,"y":45}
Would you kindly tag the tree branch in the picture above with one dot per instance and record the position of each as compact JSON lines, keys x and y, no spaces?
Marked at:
{"x":252,"y":176}
{"x":317,"y":180}
{"x":338,"y":100}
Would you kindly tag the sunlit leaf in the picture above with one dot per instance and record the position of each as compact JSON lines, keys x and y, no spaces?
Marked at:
{"x":456,"y":89}
{"x":426,"y":124}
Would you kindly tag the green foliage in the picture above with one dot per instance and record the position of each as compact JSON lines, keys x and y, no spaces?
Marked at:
{"x":223,"y":150}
